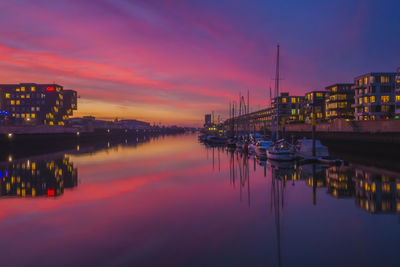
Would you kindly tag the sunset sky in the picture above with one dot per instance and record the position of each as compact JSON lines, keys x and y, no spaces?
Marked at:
{"x":173,"y":61}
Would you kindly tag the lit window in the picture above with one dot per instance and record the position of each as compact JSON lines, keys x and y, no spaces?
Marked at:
{"x":397,"y":97}
{"x":12,"y":102}
{"x":28,"y":115}
{"x":385,"y":79}
{"x":293,"y":100}
{"x":283,"y":100}
{"x":33,"y":89}
{"x":365,"y":99}
{"x":22,"y":88}
{"x":28,"y":96}
{"x":371,"y":79}
{"x":385,"y":98}
{"x":293,"y":112}
{"x":334,"y":89}
{"x":22,"y":115}
{"x":22,"y":96}
{"x":18,"y":102}
{"x":33,"y":115}
{"x":365,"y":80}
{"x":8,"y":95}
{"x":372,"y":99}
{"x":17,"y":90}
{"x":37,"y":108}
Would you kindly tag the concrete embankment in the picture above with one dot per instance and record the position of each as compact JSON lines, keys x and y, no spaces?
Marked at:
{"x":382,"y":131}
{"x":361,"y":139}
{"x":40,"y":139}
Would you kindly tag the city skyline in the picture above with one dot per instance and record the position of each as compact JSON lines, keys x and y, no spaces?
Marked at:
{"x":171,"y":61}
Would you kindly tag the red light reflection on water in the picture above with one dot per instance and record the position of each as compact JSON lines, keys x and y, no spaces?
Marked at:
{"x":50,"y":192}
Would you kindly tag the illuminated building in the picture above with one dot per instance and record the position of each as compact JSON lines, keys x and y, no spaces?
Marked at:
{"x":314,"y":100}
{"x":33,"y":178}
{"x":339,"y":99}
{"x":290,"y":107}
{"x":375,"y":96}
{"x":398,"y":93}
{"x":35,"y":104}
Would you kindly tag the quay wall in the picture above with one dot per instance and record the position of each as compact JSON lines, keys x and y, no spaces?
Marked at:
{"x":40,"y":129}
{"x":378,"y":126}
{"x":350,"y":132}
{"x":62,"y":137}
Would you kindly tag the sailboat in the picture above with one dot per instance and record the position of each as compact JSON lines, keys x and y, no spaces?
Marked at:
{"x":281,"y":150}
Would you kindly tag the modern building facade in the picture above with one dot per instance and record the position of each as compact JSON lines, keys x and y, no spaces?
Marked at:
{"x":339,"y":99}
{"x":36,"y":104}
{"x":375,"y":96}
{"x":290,"y":107}
{"x":397,"y":108}
{"x":314,"y":103}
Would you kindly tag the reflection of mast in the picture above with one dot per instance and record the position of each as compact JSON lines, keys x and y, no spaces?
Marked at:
{"x":232,"y":168}
{"x":248,"y":179}
{"x":213,"y":157}
{"x":241,"y":169}
{"x":314,"y":185}
{"x":277,"y":194}
{"x":219,"y":161}
{"x":240,"y":176}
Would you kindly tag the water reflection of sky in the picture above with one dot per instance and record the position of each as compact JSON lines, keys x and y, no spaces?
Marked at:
{"x":172,"y":202}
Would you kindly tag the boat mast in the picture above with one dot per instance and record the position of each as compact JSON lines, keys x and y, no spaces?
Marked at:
{"x":277,"y":92}
{"x":270,"y":105}
{"x":248,"y":112}
{"x":240,"y":110}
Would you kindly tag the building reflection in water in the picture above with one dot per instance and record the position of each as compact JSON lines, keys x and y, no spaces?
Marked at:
{"x":376,"y":193}
{"x":33,"y":178}
{"x":372,"y":191}
{"x":48,"y":175}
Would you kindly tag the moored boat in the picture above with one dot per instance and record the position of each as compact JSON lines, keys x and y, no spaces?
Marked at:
{"x":281,"y":151}
{"x":261,"y":148}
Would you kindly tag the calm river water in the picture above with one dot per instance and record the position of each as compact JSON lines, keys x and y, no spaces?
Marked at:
{"x":172,"y":201}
